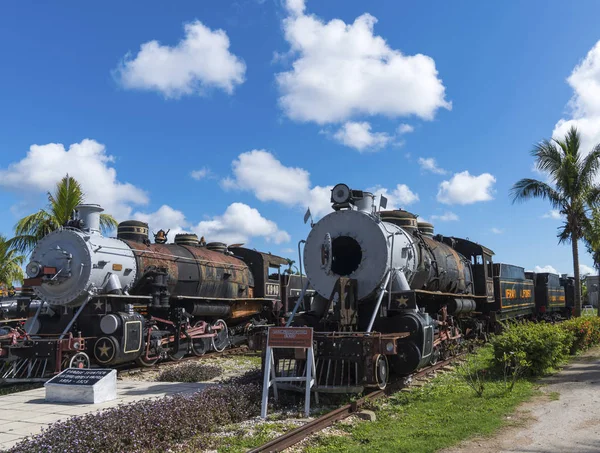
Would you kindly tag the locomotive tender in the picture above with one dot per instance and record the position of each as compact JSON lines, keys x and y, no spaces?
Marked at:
{"x":108,"y":301}
{"x":391,"y":296}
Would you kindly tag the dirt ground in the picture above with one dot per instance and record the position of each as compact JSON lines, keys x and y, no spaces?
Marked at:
{"x":565,"y":419}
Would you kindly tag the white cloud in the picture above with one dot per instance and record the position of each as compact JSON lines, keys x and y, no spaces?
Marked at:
{"x":446,"y":217}
{"x":429,"y":164}
{"x":405,"y":129}
{"x":585,"y":103}
{"x":359,"y":136}
{"x":397,"y":198}
{"x":200,"y":174}
{"x":584,"y":269}
{"x":466,"y":189}
{"x":497,"y":230}
{"x":319,"y":200}
{"x":260,"y":172}
{"x":295,"y":7}
{"x":239,"y":223}
{"x":201,"y":60}
{"x":552,"y":214}
{"x":343,"y":70}
{"x":547,"y":268}
{"x":88,"y":162}
{"x":165,"y":218}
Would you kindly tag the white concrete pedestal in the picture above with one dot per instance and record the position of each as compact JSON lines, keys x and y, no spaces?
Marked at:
{"x":88,"y":385}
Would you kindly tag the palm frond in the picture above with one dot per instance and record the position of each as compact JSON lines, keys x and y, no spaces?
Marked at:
{"x":527,"y":188}
{"x":10,"y":263}
{"x":548,"y":157}
{"x":107,"y":223}
{"x":67,"y":195}
{"x":592,"y":198}
{"x":589,"y":168}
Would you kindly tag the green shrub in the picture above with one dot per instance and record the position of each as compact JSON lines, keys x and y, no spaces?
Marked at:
{"x":585,"y":332}
{"x":544,"y":345}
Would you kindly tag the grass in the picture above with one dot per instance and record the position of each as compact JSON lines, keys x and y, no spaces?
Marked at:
{"x":241,"y":439}
{"x":554,"y":396}
{"x":438,"y":415}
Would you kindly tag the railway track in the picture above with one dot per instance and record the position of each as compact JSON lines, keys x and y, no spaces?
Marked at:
{"x":297,"y":435}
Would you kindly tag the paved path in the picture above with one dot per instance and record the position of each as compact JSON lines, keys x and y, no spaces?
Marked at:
{"x":26,"y":413}
{"x":569,"y":424}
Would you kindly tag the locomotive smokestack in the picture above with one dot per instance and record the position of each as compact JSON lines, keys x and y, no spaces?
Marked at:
{"x":90,"y":215}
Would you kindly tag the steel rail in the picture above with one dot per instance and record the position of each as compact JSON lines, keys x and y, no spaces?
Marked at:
{"x":293,"y":437}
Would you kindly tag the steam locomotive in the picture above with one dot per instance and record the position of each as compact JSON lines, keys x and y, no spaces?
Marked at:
{"x":392,"y":297}
{"x":108,"y":301}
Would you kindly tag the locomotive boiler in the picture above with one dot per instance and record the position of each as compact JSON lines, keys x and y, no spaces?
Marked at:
{"x":115,"y":300}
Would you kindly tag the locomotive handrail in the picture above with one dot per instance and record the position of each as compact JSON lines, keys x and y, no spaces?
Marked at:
{"x":298,"y":302}
{"x":300,"y":261}
{"x":379,"y":299}
{"x":74,"y":318}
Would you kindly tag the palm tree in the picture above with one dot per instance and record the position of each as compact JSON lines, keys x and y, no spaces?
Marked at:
{"x":61,"y":204}
{"x":10,"y":264}
{"x":571,"y":189}
{"x":591,"y":235}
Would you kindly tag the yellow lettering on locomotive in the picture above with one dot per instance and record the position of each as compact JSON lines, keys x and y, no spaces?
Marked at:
{"x":511,"y":293}
{"x":525,"y":293}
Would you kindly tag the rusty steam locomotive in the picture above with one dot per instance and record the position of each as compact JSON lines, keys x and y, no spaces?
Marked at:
{"x":108,"y":301}
{"x":392,"y":297}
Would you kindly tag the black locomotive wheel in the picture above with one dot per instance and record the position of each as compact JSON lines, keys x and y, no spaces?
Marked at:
{"x":181,"y":353}
{"x":221,"y":340}
{"x":435,"y":356}
{"x":142,"y":361}
{"x":200,"y":346}
{"x":382,"y":371}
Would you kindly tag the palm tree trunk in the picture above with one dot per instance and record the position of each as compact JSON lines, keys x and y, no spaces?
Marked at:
{"x":574,"y":240}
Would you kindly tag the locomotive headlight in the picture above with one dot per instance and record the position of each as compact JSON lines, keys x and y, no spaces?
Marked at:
{"x":33,"y":269}
{"x":340,"y":193}
{"x":389,"y":347}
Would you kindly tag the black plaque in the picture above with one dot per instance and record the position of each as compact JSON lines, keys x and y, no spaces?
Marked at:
{"x":79,"y":376}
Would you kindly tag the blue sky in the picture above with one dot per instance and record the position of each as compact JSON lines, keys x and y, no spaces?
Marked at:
{"x":230,"y":118}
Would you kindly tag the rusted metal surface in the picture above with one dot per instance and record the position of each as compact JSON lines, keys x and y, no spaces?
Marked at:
{"x":293,"y":437}
{"x":448,"y":271}
{"x":195,"y":270}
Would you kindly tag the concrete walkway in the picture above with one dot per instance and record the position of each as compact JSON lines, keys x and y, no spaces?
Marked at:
{"x":26,"y":413}
{"x":565,"y":420}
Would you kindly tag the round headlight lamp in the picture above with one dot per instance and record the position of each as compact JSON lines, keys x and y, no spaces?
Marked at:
{"x":340,"y":193}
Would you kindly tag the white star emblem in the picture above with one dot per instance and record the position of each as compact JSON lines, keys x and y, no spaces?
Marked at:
{"x":402,"y":300}
{"x":98,"y":305}
{"x":23,"y":307}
